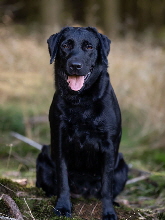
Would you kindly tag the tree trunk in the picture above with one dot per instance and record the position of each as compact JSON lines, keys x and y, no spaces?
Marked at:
{"x":110,"y":16}
{"x":52,"y":14}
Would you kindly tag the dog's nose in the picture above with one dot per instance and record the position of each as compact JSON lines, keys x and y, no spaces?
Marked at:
{"x":75,"y":66}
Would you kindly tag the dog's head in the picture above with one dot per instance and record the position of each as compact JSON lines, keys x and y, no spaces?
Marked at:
{"x":78,"y":51}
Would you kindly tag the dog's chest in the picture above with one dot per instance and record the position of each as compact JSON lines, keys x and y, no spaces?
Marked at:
{"x":85,"y":130}
{"x":85,"y":126}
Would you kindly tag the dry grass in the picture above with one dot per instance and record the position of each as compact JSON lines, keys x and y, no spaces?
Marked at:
{"x":25,"y":70}
{"x":137,"y":73}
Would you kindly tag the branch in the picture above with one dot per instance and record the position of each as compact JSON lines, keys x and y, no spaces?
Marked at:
{"x":137,"y":179}
{"x":7,"y":218}
{"x":27,"y":140}
{"x":14,"y":210}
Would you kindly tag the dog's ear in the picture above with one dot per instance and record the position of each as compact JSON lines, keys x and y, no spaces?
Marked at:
{"x":104,"y":44}
{"x":104,"y":47}
{"x":53,"y":46}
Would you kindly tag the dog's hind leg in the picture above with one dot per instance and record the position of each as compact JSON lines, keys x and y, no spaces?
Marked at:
{"x":46,"y":172}
{"x":120,"y":175}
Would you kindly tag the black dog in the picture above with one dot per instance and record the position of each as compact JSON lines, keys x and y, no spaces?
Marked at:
{"x":85,"y":124}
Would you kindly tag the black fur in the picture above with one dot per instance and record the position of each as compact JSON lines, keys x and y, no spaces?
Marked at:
{"x":85,"y":123}
{"x":46,"y":175}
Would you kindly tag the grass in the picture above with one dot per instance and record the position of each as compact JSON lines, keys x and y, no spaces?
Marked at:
{"x":11,"y":119}
{"x":137,"y":73}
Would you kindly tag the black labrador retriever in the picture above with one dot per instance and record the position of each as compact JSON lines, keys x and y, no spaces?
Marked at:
{"x":85,"y":123}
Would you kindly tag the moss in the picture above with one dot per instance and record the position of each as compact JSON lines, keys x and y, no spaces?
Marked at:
{"x":42,"y":207}
{"x":161,"y":216}
{"x":4,"y":210}
{"x":9,"y":187}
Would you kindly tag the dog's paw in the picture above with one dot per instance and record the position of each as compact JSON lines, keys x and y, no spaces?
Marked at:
{"x":62,"y":212}
{"x":110,"y":216}
{"x":63,"y":208}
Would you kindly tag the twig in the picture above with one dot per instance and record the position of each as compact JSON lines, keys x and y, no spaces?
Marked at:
{"x":141,"y":217}
{"x":27,"y":140}
{"x":81,"y":209}
{"x":7,"y":218}
{"x":94,"y":209}
{"x":137,"y":179}
{"x":35,"y":199}
{"x":10,"y":151}
{"x":29,"y":209}
{"x":7,"y":188}
{"x":12,"y":206}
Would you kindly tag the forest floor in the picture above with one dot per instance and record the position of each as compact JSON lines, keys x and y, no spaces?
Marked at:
{"x":143,"y":199}
{"x":33,"y":205}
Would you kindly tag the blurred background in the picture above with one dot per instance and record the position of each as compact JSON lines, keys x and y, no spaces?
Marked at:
{"x":136,"y":67}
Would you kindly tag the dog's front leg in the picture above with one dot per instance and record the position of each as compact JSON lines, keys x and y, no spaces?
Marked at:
{"x":107,"y":185}
{"x":63,"y":205}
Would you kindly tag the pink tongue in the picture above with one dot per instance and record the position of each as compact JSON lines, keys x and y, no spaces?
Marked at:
{"x":75,"y":82}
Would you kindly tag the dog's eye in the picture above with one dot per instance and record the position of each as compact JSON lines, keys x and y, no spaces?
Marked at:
{"x":66,"y":46}
{"x":89,"y":47}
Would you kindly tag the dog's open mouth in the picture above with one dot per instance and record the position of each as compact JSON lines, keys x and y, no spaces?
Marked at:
{"x":76,"y":82}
